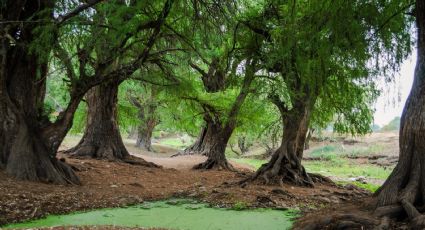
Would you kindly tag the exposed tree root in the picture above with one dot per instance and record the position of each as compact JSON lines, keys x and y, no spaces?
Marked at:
{"x":278,"y":170}
{"x":215,"y":164}
{"x":125,"y":158}
{"x":139,"y":161}
{"x":45,"y":169}
{"x":105,"y":151}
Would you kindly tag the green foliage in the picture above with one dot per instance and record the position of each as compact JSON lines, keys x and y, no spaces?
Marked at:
{"x":327,"y":52}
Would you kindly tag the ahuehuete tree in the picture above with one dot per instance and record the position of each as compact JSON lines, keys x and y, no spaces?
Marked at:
{"x":29,"y":141}
{"x":402,"y":194}
{"x":314,"y":44}
{"x":146,"y":104}
{"x":404,"y":190}
{"x":126,"y":39}
{"x":220,"y":126}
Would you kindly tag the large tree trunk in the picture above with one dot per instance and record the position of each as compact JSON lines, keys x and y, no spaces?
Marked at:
{"x":214,"y":81}
{"x":198,"y":146}
{"x":144,"y":133}
{"x":215,"y":147}
{"x":285,"y":164}
{"x":205,"y":139}
{"x":219,"y":132}
{"x":405,"y":186}
{"x":147,"y":117}
{"x":102,"y":138}
{"x":28,"y":141}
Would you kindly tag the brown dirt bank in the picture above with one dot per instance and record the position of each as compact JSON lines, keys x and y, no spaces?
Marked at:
{"x":113,"y":184}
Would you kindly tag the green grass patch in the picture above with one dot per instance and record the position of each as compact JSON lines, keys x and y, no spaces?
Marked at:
{"x":363,"y":151}
{"x":330,"y":152}
{"x":173,"y":142}
{"x":367,"y":186}
{"x":240,"y":205}
{"x":249,"y":161}
{"x":338,"y":167}
{"x":370,"y":187}
{"x":345,"y":169}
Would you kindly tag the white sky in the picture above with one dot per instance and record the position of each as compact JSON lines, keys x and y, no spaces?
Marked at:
{"x":393,"y":96}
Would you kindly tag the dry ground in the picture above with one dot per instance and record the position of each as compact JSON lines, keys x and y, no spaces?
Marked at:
{"x":112,"y":184}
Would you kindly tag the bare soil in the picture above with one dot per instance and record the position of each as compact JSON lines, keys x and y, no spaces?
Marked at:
{"x":114,"y":184}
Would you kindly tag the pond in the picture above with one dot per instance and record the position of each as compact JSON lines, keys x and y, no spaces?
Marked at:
{"x":171,"y":214}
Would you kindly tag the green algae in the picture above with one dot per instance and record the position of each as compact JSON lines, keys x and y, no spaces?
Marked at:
{"x":171,"y":214}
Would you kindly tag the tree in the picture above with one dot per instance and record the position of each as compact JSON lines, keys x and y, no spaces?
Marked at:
{"x":325,"y":53}
{"x":29,"y":141}
{"x":404,"y":187}
{"x":403,"y":191}
{"x":102,"y":138}
{"x":146,"y":105}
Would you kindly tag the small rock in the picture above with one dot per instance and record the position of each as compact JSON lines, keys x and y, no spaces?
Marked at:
{"x":194,"y":194}
{"x":281,"y":192}
{"x":114,"y":186}
{"x":324,"y":199}
{"x":202,"y":189}
{"x":135,"y":184}
{"x":264,"y":200}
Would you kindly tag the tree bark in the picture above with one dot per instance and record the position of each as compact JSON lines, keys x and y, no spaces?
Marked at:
{"x":218,"y":132}
{"x":145,"y":130}
{"x":405,"y":186}
{"x":199,"y":145}
{"x":147,"y":118}
{"x":285,"y":163}
{"x":102,"y":138}
{"x":28,"y":141}
{"x":214,"y":81}
{"x":215,"y":147}
{"x":308,"y":138}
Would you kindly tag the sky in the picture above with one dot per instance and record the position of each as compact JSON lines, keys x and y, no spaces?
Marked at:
{"x":393,"y":96}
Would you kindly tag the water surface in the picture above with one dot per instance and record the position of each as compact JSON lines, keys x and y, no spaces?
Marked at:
{"x":171,"y":214}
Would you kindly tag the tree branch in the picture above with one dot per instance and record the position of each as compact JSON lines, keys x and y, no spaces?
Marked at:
{"x":76,"y":11}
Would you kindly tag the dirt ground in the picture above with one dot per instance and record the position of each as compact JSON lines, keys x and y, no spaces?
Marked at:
{"x":113,"y":184}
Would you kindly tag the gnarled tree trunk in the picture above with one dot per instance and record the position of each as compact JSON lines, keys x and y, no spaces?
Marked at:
{"x":405,"y":187}
{"x":219,"y":132}
{"x":206,"y":138}
{"x":102,"y":138}
{"x":214,"y":81}
{"x":285,"y":164}
{"x":198,"y":146}
{"x":147,"y":118}
{"x":28,"y":141}
{"x":215,"y":147}
{"x":144,"y":133}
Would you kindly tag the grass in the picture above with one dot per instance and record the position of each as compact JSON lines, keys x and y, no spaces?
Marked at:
{"x":338,"y":167}
{"x":329,"y":152}
{"x":174,"y":142}
{"x":346,"y":169}
{"x":240,"y":205}
{"x":370,"y":187}
{"x":249,"y":161}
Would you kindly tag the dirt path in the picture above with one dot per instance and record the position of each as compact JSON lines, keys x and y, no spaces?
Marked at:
{"x":186,"y":162}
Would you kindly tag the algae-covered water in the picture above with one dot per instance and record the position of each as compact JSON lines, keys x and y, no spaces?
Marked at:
{"x":171,"y":214}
